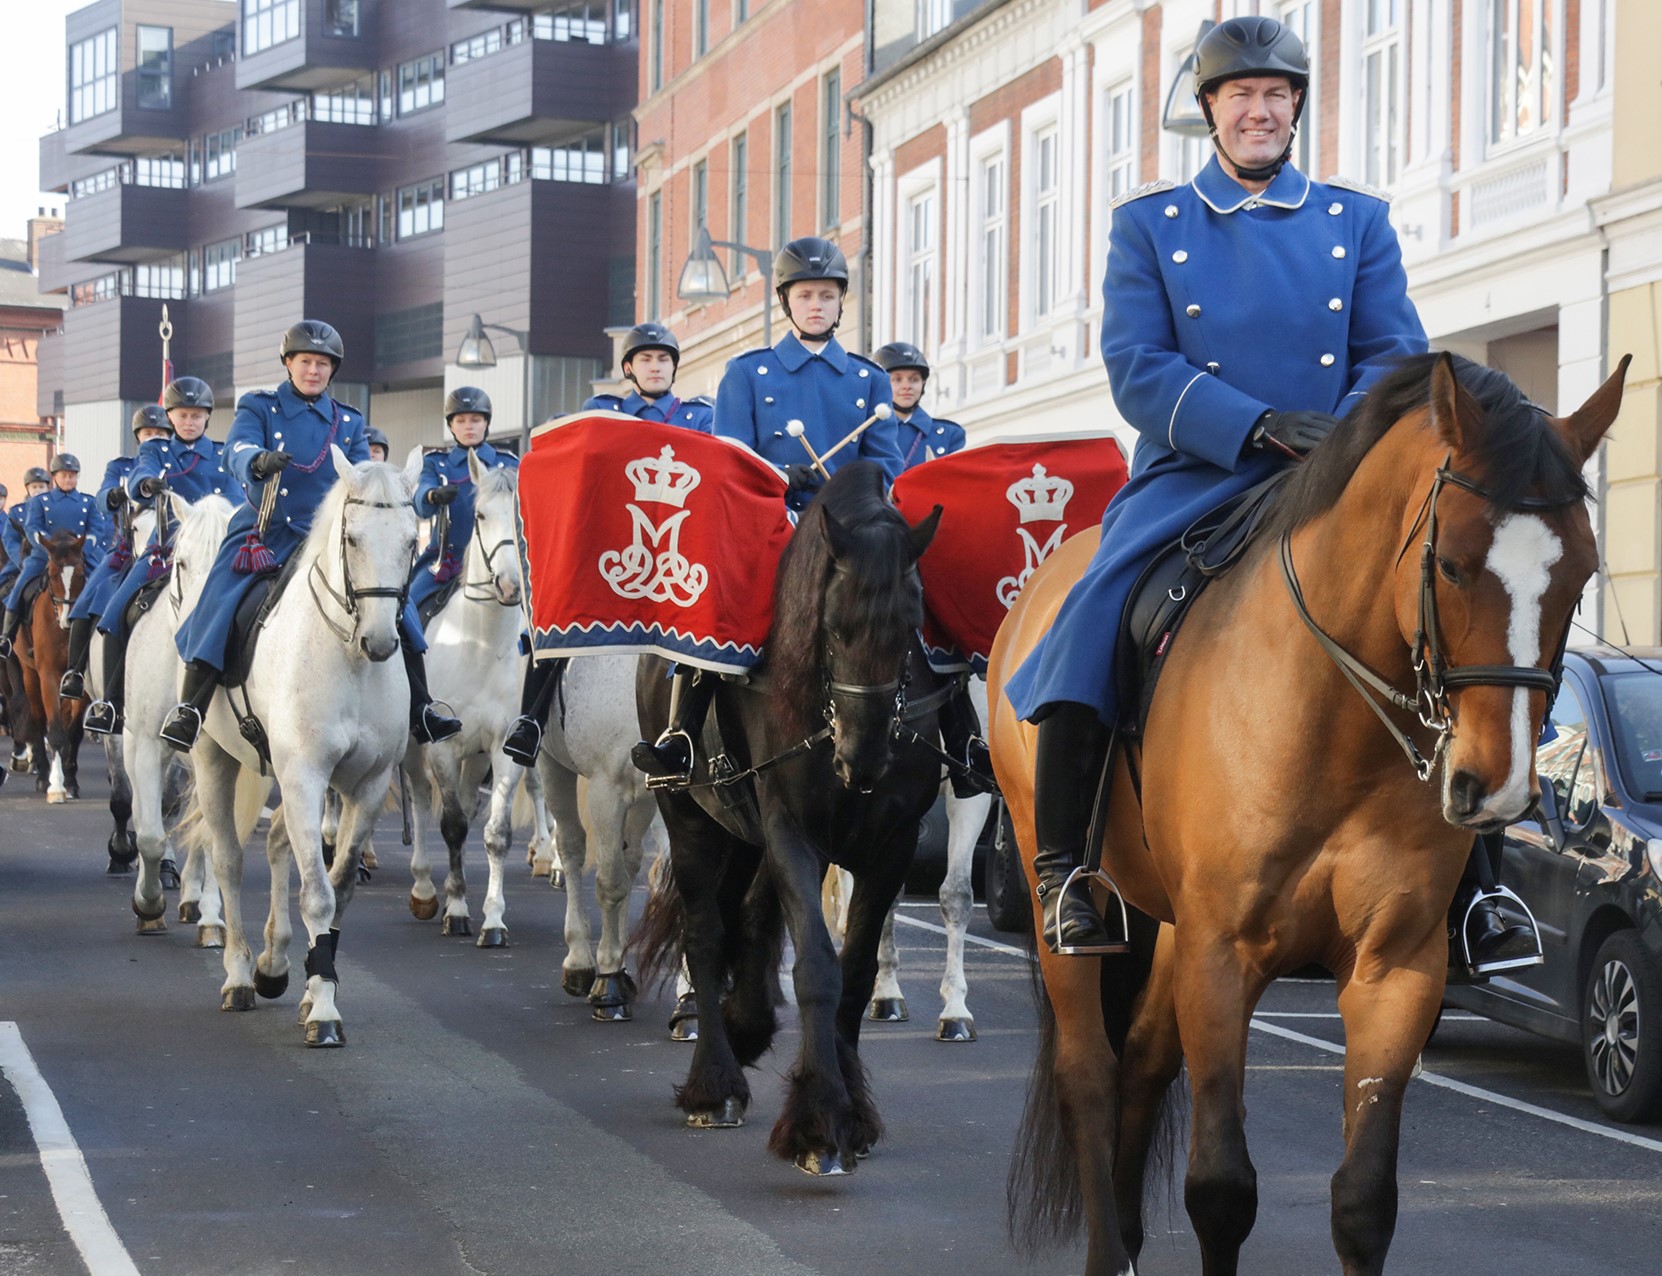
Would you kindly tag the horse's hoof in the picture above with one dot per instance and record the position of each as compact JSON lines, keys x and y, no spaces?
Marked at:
{"x":956,"y":1030}
{"x":612,"y":1014}
{"x":424,"y":909}
{"x":117,"y":867}
{"x":365,"y":877}
{"x":611,"y":991}
{"x":190,"y":912}
{"x":863,"y":1151}
{"x":557,"y":879}
{"x":888,"y":1010}
{"x":305,"y":1011}
{"x":824,"y":1164}
{"x":156,"y":925}
{"x":168,"y":871}
{"x":729,"y":1116}
{"x":454,"y":925}
{"x":238,"y":998}
{"x":492,"y":937}
{"x":123,"y":851}
{"x":55,"y":796}
{"x":210,"y":936}
{"x":325,"y":1034}
{"x":368,"y":860}
{"x":684,"y":1029}
{"x":577,"y":982}
{"x":270,"y":987}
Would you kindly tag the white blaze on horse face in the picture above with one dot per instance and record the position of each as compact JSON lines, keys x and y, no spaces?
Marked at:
{"x":68,"y":571}
{"x":1521,"y":558}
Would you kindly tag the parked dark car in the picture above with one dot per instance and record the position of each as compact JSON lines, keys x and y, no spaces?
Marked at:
{"x":1590,"y":868}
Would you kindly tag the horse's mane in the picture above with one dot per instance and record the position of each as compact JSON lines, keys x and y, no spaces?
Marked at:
{"x":497,"y":481}
{"x":201,"y":528}
{"x":376,"y":481}
{"x":855,"y":496}
{"x":1514,"y":451}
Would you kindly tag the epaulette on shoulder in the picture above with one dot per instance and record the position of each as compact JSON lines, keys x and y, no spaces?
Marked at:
{"x":1361,"y":188}
{"x":867,"y":360}
{"x":703,"y":400}
{"x":1140,"y":192}
{"x":751,"y":354}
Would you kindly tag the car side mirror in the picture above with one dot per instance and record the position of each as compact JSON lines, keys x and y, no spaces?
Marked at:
{"x":1550,"y":814}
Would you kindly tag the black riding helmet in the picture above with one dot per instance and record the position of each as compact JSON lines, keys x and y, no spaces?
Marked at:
{"x":312,"y":336}
{"x":1243,"y":47}
{"x":375,"y":435}
{"x":34,"y":474}
{"x":467,"y":398}
{"x":806,"y":259}
{"x":650,"y":336}
{"x":66,"y":461}
{"x":188,"y":392}
{"x":152,"y":416}
{"x":900,"y":354}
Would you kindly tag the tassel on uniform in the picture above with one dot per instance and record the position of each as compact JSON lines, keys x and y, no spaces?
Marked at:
{"x":121,"y":556}
{"x":158,"y":565}
{"x":254,"y":557}
{"x":448,"y":566}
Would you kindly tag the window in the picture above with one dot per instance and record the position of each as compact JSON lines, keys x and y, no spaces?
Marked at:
{"x":275,"y":120}
{"x":1381,"y":92}
{"x":350,"y":104}
{"x":421,"y":208}
{"x":161,"y":280}
{"x":219,"y":156}
{"x":478,"y":46}
{"x":830,"y":158}
{"x":405,"y":336}
{"x":94,"y":77}
{"x":991,"y":263}
{"x":166,"y":171}
{"x":1564,"y":764}
{"x":700,"y":195}
{"x":104,"y":288}
{"x":739,"y":202}
{"x":654,"y":253}
{"x":657,"y":45}
{"x":268,"y":239}
{"x":701,"y":27}
{"x":1302,"y":17}
{"x":386,"y":96}
{"x":582,"y":159}
{"x":1635,"y":704}
{"x":623,"y":26}
{"x":340,"y":17}
{"x":268,"y":22}
{"x":219,"y":266}
{"x":421,"y":84}
{"x":505,"y":170}
{"x":1045,"y":210}
{"x":1520,"y":67}
{"x":622,"y":131}
{"x":782,"y":174}
{"x":583,"y":20}
{"x":155,"y":68}
{"x":109,"y":179}
{"x":932,"y":16}
{"x":357,"y":224}
{"x":1121,"y":164}
{"x":741,"y":11}
{"x":920,"y":268}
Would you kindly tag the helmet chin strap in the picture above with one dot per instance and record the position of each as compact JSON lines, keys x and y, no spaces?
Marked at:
{"x":1259,"y":172}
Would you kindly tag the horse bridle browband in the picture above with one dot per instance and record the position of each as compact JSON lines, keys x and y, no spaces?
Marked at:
{"x":1434,"y":678}
{"x":348,"y":600}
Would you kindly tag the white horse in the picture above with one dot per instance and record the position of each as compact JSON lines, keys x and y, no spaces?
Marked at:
{"x":122,"y":846}
{"x":335,"y":706}
{"x":154,"y":671}
{"x":473,"y":665}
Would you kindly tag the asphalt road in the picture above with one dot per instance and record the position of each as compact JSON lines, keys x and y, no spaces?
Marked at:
{"x":478,"y":1122}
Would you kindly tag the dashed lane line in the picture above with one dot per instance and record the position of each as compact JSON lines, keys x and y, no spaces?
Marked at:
{"x":60,"y":1156}
{"x":968,"y":939}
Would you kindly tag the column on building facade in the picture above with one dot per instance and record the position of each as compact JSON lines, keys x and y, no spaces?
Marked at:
{"x":958,"y":197}
{"x":884,"y":283}
{"x":1073,"y":134}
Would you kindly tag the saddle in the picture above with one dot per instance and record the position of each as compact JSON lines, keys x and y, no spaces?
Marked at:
{"x":1169,"y":586}
{"x":427,"y":611}
{"x":252,"y":613}
{"x":143,"y":601}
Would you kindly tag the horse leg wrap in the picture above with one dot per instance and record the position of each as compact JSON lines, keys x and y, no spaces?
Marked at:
{"x":320,"y":959}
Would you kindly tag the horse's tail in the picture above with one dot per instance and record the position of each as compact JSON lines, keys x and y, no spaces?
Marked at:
{"x":659,"y":936}
{"x":524,"y":813}
{"x":1042,"y":1200}
{"x":252,"y":791}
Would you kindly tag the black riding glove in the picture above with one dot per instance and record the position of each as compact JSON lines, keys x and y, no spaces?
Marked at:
{"x":152,"y":486}
{"x":443,"y":495}
{"x":266,"y":464}
{"x":115,"y":498}
{"x":803,"y":478}
{"x":1292,"y":433}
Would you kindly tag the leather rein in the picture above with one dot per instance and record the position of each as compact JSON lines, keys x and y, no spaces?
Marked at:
{"x":1435,"y":680}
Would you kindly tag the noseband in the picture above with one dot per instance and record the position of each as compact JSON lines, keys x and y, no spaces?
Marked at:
{"x":1435,"y":680}
{"x":348,"y":600}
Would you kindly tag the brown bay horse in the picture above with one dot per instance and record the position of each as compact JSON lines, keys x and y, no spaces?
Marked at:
{"x":53,"y":732}
{"x":1270,"y":819}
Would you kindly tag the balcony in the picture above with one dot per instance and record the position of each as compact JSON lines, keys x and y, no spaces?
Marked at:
{"x":500,"y":6}
{"x":538,"y":92}
{"x":126,"y":224}
{"x":312,"y":60}
{"x":330,"y":281}
{"x":311,"y":164}
{"x":126,"y":130}
{"x":112,"y":349}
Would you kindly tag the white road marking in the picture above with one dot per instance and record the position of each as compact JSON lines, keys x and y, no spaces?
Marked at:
{"x":66,"y":1169}
{"x":968,"y":939}
{"x":1477,"y":1092}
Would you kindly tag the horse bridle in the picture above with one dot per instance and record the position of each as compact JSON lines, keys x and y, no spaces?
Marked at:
{"x":894,"y":689}
{"x":485,"y":591}
{"x":1435,"y":680}
{"x":348,"y":600}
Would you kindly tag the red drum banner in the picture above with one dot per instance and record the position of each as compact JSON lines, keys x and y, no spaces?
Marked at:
{"x":1005,"y":509}
{"x":640,"y":537}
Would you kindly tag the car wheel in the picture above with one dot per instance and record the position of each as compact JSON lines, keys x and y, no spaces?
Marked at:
{"x":1005,"y":887}
{"x":1621,"y":1029}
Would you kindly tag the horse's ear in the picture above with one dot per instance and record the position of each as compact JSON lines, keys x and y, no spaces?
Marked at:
{"x":1445,"y":402}
{"x":177,"y":506}
{"x":923,"y":531}
{"x":836,"y":534}
{"x":343,"y":466}
{"x":475,"y":471}
{"x":40,"y":539}
{"x":1587,"y":425}
{"x":412,"y":469}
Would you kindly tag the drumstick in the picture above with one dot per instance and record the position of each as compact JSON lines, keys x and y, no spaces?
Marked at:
{"x":798,"y":432}
{"x":882,"y":412}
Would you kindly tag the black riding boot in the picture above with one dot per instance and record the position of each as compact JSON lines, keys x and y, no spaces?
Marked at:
{"x":73,"y":684}
{"x":183,"y":724}
{"x":525,"y":734}
{"x":1484,"y":923}
{"x":9,"y":626}
{"x":104,"y":716}
{"x":427,"y":724}
{"x":667,"y":762}
{"x":961,"y":737}
{"x":1073,"y":750}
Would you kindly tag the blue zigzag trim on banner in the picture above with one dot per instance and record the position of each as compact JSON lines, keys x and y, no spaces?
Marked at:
{"x":639,"y":639}
{"x":952,"y":660}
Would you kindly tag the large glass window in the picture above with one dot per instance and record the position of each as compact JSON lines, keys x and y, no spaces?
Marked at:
{"x":701,"y":27}
{"x":623,"y":26}
{"x":1303,"y":18}
{"x":740,"y":202}
{"x":421,"y":208}
{"x":481,"y":45}
{"x":268,"y":22}
{"x":622,"y":131}
{"x":830,"y":157}
{"x":421,"y":84}
{"x":932,"y":16}
{"x":340,"y":17}
{"x":1121,"y":144}
{"x":1045,"y":212}
{"x":219,"y":266}
{"x":991,"y":263}
{"x":162,"y":280}
{"x":575,"y":20}
{"x":94,"y":76}
{"x":920,"y":268}
{"x":1565,"y":764}
{"x":782,"y":174}
{"x":476,"y":179}
{"x":275,"y":120}
{"x":218,"y":156}
{"x":1382,"y":92}
{"x":581,"y":159}
{"x":268,"y":239}
{"x":350,"y":104}
{"x":1635,"y":701}
{"x":155,"y":68}
{"x":1521,"y":79}
{"x":167,"y":171}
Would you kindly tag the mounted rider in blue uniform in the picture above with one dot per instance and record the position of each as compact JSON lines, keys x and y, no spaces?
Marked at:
{"x":283,"y":437}
{"x":60,"y":508}
{"x":35,"y":481}
{"x":650,"y":360}
{"x":807,"y":378}
{"x":380,"y":447}
{"x":149,"y":422}
{"x":187,"y":463}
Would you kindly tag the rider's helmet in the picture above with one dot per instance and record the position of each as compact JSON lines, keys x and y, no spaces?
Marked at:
{"x":650,"y":336}
{"x":312,"y":336}
{"x":34,"y":474}
{"x":467,"y":398}
{"x":188,"y":392}
{"x":900,"y":354}
{"x":67,"y":462}
{"x":806,"y":259}
{"x":375,"y":436}
{"x":152,"y":416}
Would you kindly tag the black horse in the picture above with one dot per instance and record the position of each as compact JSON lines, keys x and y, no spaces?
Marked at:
{"x":820,"y":759}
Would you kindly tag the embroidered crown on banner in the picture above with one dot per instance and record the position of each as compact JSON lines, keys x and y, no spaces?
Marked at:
{"x":662,"y":478}
{"x":1042,"y":498}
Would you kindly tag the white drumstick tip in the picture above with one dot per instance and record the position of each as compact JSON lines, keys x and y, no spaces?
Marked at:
{"x":882,"y":412}
{"x":795,"y":429}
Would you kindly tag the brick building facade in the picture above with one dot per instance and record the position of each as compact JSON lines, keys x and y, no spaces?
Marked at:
{"x":27,"y":435}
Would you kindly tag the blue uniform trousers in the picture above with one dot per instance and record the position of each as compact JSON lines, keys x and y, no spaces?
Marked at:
{"x":95,"y":594}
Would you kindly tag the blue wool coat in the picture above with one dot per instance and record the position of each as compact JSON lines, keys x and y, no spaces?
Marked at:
{"x":1220,"y":305}
{"x":12,"y":552}
{"x":102,"y":580}
{"x":277,"y":421}
{"x":924,"y":437}
{"x":439,"y":469}
{"x":831,"y":393}
{"x":54,"y":511}
{"x":692,"y":414}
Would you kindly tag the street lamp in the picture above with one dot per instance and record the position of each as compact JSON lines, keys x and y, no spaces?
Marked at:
{"x":476,"y":351}
{"x":703,"y":280}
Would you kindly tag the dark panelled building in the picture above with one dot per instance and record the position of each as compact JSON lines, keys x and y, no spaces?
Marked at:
{"x":392,"y":166}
